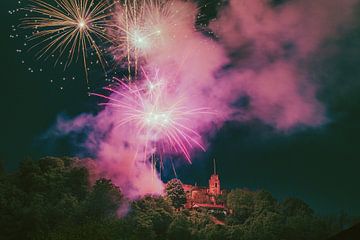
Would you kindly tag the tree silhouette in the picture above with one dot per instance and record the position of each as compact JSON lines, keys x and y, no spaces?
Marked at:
{"x":175,"y":192}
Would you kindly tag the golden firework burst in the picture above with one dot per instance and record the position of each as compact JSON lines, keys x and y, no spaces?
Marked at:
{"x":68,"y":27}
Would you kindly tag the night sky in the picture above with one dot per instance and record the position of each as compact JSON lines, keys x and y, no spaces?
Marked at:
{"x":318,"y":164}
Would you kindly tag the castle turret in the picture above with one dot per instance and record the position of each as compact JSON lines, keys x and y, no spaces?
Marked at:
{"x":214,"y":183}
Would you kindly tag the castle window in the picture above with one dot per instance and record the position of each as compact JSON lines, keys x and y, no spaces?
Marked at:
{"x":215,"y":184}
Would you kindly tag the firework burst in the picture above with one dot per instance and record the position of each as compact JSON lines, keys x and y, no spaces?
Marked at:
{"x":144,"y":27}
{"x":160,"y":119}
{"x":69,"y":27}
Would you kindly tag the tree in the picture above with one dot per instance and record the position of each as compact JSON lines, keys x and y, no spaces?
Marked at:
{"x":179,"y":228}
{"x":11,"y":208}
{"x":241,"y":202}
{"x":295,"y":206}
{"x":212,"y":232}
{"x":175,"y":192}
{"x":51,"y":199}
{"x":150,"y":217}
{"x":199,"y":219}
{"x":235,"y":232}
{"x":104,"y":199}
{"x":266,"y":225}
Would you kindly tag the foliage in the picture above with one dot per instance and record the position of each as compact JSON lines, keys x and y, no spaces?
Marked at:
{"x":180,"y":227}
{"x":103,"y":201}
{"x":175,"y":192}
{"x":151,"y":217}
{"x":52,"y":199}
{"x":45,"y":199}
{"x":241,"y":202}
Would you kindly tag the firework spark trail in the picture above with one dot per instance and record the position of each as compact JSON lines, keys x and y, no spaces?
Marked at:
{"x":160,"y":119}
{"x":143,"y":27}
{"x":68,"y":25}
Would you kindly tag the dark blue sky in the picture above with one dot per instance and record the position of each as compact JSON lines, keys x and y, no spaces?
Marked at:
{"x":320,"y":165}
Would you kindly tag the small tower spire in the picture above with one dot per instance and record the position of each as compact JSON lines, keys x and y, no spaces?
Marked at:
{"x":214,"y":166}
{"x":214,"y":182}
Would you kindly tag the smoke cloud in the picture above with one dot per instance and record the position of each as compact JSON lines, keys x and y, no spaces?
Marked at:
{"x":255,"y":68}
{"x":268,"y":48}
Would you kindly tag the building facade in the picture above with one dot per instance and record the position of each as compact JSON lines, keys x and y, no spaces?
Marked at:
{"x":205,"y":197}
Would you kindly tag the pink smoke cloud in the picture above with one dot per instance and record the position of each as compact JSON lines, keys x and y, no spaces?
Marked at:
{"x":268,"y":47}
{"x":306,"y":23}
{"x":115,"y":151}
{"x":259,"y":55}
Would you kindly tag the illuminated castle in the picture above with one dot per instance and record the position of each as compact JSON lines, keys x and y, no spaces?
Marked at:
{"x":204,"y":197}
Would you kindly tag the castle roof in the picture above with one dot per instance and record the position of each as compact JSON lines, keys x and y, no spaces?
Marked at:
{"x":207,"y":205}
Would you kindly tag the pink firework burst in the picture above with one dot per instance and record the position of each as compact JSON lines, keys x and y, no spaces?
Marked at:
{"x":162,"y":120}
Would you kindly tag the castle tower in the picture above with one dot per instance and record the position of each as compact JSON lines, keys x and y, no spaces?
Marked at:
{"x":214,"y":183}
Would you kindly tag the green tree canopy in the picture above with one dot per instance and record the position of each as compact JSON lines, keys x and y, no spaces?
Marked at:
{"x":175,"y":192}
{"x":180,"y":228}
{"x":150,"y":217}
{"x":295,"y":206}
{"x":104,"y":199}
{"x":51,"y":199}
